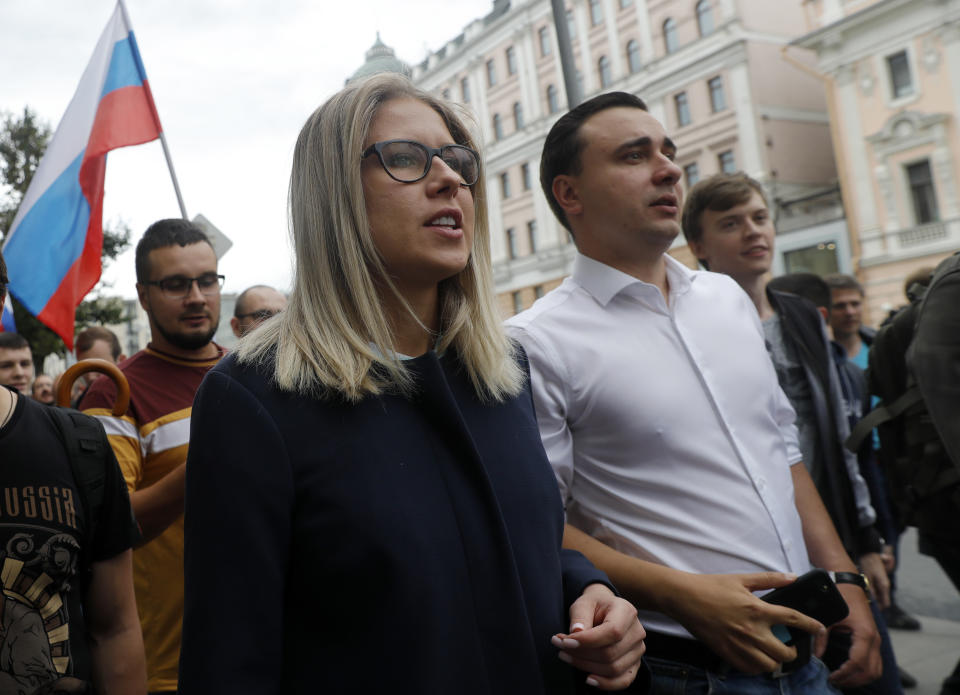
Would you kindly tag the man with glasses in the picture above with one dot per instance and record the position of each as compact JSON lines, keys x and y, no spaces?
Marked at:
{"x":179,"y":288}
{"x":254,"y":306}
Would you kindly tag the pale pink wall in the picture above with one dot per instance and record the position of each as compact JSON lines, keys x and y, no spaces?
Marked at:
{"x":782,"y":17}
{"x":774,"y":81}
{"x":799,"y":152}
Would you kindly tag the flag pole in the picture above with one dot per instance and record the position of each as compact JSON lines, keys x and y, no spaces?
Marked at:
{"x":163,"y":137}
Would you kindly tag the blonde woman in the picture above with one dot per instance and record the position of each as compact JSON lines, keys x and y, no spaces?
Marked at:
{"x":369,"y":508}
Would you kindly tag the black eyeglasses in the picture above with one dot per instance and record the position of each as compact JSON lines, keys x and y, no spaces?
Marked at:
{"x":408,"y":161}
{"x":179,"y":286}
{"x":260,"y":315}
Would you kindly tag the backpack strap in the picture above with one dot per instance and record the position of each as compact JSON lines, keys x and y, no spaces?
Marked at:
{"x":84,"y":440}
{"x":880,"y":415}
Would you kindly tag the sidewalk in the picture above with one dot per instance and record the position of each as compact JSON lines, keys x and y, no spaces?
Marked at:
{"x":930,"y":654}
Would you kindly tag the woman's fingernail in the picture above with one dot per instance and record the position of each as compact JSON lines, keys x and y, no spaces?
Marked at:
{"x":577,"y":627}
{"x":563,"y":656}
{"x":791,"y":576}
{"x":570,"y":643}
{"x":593,"y":682}
{"x":556,"y":642}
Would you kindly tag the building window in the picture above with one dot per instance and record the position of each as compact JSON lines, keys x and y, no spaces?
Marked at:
{"x":683,"y":108}
{"x":596,"y":13}
{"x":691,"y":173}
{"x":491,"y":73}
{"x":727,"y":165}
{"x":624,"y":4}
{"x":505,"y":184}
{"x":603,"y":67}
{"x":538,"y":291}
{"x":717,"y":99}
{"x":512,"y":243}
{"x":670,"y":41}
{"x":819,"y":259}
{"x":571,"y":26}
{"x":901,"y":82}
{"x":633,"y":56}
{"x":922,"y":193}
{"x":525,"y":176}
{"x":518,"y":115}
{"x":553,"y":103}
{"x":446,"y":94}
{"x":465,"y":90}
{"x":704,"y":18}
{"x":532,"y":235}
{"x":544,"y":34}
{"x":511,"y":61}
{"x":497,"y":127}
{"x":517,"y":302}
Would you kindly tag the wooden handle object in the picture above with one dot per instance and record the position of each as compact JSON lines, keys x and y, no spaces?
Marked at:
{"x":65,"y":384}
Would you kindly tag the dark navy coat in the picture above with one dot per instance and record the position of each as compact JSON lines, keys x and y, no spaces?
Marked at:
{"x":396,"y":545}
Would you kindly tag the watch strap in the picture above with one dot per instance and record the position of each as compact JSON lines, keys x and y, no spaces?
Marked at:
{"x":851,"y":578}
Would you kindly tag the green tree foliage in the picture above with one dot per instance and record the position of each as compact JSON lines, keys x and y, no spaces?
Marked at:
{"x":23,"y":140}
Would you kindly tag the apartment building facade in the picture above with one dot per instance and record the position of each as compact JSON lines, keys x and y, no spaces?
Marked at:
{"x":891,"y":70}
{"x":711,"y":70}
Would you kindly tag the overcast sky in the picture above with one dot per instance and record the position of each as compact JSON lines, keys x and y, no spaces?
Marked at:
{"x":234,"y":80}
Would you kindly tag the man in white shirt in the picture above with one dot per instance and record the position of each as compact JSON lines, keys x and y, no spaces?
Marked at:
{"x":660,"y":411}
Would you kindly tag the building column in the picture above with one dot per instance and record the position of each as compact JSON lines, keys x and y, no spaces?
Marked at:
{"x":727,"y":10}
{"x":550,"y":230}
{"x":478,"y":94}
{"x":498,"y":244}
{"x":529,"y":87}
{"x":748,"y":131}
{"x":587,"y":68}
{"x":950,"y":37}
{"x":646,"y":34}
{"x":613,"y":39}
{"x":860,"y":182}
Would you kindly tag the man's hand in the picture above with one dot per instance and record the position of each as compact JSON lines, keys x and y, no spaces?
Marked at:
{"x":889,"y":559}
{"x":721,"y":611}
{"x":872,"y":565}
{"x":864,"y":664}
{"x":605,"y":639}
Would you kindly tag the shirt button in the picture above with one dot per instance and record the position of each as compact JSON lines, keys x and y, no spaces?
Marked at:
{"x":762,"y":484}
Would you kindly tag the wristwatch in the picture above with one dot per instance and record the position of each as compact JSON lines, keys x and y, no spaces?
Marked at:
{"x":857,"y":578}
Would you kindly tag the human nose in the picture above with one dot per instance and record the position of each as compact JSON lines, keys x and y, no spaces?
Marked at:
{"x":442,"y":178}
{"x":669,"y":171}
{"x":194,"y":294}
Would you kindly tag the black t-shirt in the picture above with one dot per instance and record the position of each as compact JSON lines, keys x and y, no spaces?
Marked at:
{"x":43,"y":636}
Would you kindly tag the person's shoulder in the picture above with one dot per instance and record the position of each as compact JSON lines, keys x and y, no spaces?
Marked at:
{"x":553,"y":306}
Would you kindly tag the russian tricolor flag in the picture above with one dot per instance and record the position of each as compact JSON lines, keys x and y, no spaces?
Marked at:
{"x":6,"y":317}
{"x":54,"y":245}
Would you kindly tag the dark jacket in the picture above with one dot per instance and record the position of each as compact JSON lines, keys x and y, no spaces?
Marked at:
{"x":394,"y":545}
{"x":803,"y":329}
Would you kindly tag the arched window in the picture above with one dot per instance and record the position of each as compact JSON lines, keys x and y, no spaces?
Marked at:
{"x":603,"y":67}
{"x":704,"y":17}
{"x":596,"y":13}
{"x":518,"y":115}
{"x":670,"y":41}
{"x":553,"y":103}
{"x":497,"y":127}
{"x":633,"y":56}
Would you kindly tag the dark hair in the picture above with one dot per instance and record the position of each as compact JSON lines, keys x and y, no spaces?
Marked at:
{"x":3,"y":278}
{"x":807,"y":285}
{"x":164,"y":233}
{"x":562,"y":148}
{"x":839,"y":281}
{"x":13,"y":341}
{"x":87,"y":337}
{"x":718,"y":193}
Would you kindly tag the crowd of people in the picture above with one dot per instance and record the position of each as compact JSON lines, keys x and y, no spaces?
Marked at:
{"x":385,"y":487}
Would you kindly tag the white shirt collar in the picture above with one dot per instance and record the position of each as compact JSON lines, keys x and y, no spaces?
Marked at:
{"x":604,"y":282}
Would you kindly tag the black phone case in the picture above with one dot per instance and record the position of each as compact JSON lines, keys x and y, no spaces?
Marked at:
{"x":813,"y":594}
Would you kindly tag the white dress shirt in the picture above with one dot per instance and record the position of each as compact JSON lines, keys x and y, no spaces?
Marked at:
{"x":665,"y":424}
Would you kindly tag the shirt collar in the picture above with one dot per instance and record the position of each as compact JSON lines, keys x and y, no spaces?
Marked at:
{"x":604,"y":282}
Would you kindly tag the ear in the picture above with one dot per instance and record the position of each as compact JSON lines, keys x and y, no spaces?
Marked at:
{"x":235,"y":325}
{"x":142,"y":296}
{"x":699,"y":250}
{"x":565,"y":192}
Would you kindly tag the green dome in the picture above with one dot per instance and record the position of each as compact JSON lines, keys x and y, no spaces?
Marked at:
{"x":381,"y":58}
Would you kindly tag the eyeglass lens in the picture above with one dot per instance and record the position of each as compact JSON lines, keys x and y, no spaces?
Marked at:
{"x":408,"y":161}
{"x":179,"y":285}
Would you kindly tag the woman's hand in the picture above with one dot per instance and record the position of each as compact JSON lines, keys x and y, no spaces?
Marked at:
{"x":605,"y":639}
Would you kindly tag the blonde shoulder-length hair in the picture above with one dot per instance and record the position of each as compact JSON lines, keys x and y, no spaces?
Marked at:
{"x":334,"y":337}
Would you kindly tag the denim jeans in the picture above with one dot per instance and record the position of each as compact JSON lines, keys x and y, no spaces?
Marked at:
{"x":675,"y":678}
